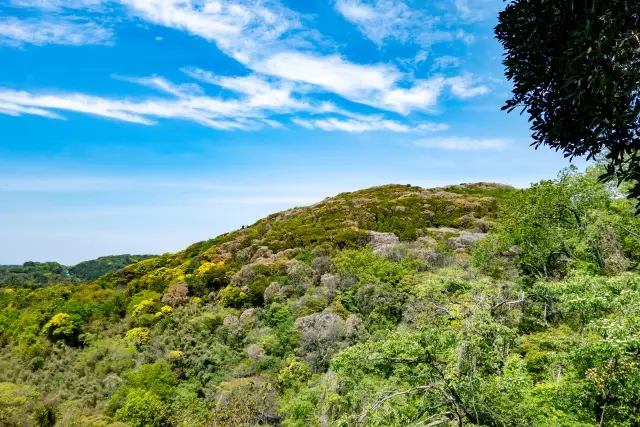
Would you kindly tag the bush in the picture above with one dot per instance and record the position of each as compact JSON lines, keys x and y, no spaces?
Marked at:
{"x":177,"y":295}
{"x":142,"y":408}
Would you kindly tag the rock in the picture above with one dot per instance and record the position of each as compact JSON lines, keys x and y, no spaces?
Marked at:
{"x":230,"y":320}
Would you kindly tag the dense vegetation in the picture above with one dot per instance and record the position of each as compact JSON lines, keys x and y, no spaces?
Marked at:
{"x":581,"y":94}
{"x":36,"y":274}
{"x":475,"y":304}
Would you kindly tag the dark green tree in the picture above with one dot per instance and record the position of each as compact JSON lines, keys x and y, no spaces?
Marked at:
{"x":575,"y":68}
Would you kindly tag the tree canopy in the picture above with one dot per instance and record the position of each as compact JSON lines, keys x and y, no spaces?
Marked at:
{"x":575,"y":68}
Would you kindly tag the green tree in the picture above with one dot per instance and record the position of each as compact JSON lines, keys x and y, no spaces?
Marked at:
{"x":557,"y":224}
{"x":143,"y":409}
{"x":574,"y":66}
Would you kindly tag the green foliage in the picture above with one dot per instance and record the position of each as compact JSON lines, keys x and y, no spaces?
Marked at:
{"x":143,"y":409}
{"x":137,"y":336}
{"x":303,"y":319}
{"x":232,"y":296}
{"x":91,"y":270}
{"x":37,"y":274}
{"x":574,"y":66}
{"x":554,"y":225}
{"x":61,"y":326}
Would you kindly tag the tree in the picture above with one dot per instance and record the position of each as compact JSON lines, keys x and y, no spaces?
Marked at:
{"x":143,"y":409}
{"x":177,"y":295}
{"x":556,"y":224}
{"x":575,"y":66}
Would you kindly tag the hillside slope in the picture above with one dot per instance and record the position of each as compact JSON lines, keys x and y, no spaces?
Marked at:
{"x":392,"y":306}
{"x":339,"y":222}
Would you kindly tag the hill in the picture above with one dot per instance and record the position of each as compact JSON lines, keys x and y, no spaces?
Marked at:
{"x":342,"y":222}
{"x":34,"y":274}
{"x":475,"y":304}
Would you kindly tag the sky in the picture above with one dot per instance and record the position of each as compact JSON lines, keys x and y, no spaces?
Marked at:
{"x":142,"y":126}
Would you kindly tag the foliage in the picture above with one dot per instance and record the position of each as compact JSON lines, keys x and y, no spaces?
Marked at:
{"x":37,"y":274}
{"x":574,"y":65}
{"x":142,"y":409}
{"x":573,"y":220}
{"x":305,"y":319}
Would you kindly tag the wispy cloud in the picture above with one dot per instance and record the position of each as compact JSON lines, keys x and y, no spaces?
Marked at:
{"x":357,"y":126}
{"x":269,"y":39}
{"x":446,"y":62}
{"x":386,"y":20}
{"x":477,"y":10}
{"x":64,"y":31}
{"x":381,"y":20}
{"x":466,"y":87}
{"x":286,"y":66}
{"x":52,"y":5}
{"x":252,"y":102}
{"x":244,"y":29}
{"x":462,"y":143}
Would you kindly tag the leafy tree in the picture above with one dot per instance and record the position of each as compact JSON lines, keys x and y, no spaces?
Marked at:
{"x":556,"y":224}
{"x":574,"y":65}
{"x":143,"y":409}
{"x":137,"y":336}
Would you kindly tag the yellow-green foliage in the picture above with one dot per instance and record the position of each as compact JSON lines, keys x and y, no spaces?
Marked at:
{"x":137,"y":336}
{"x":232,"y":296}
{"x":165,"y":310}
{"x":175,"y":354}
{"x":145,"y":307}
{"x":60,"y":325}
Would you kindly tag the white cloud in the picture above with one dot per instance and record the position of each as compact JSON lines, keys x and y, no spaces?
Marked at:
{"x":18,"y":110}
{"x":423,"y":95}
{"x":445,"y":62}
{"x":253,"y":101}
{"x":477,"y":10}
{"x":462,"y":143}
{"x":268,"y":39}
{"x":261,"y":92}
{"x":367,"y":124}
{"x":243,"y":29}
{"x":59,"y":4}
{"x":16,"y":32}
{"x":332,"y":73}
{"x":381,"y":19}
{"x":465,"y":87}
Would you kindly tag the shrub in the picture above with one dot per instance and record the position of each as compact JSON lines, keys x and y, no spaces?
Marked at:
{"x":142,"y":408}
{"x":177,"y":295}
{"x":232,"y":296}
{"x":137,"y":336}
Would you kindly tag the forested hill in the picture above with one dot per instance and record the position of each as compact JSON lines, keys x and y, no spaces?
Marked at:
{"x":342,"y":222}
{"x":475,"y":304}
{"x":36,"y":274}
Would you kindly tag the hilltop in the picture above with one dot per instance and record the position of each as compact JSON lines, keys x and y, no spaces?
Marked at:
{"x":474,"y":304}
{"x":340,"y":222}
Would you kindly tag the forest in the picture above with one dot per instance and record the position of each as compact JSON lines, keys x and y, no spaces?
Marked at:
{"x":475,"y":304}
{"x":35,"y":274}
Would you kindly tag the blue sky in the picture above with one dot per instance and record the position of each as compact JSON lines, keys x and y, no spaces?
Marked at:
{"x":141,"y":126}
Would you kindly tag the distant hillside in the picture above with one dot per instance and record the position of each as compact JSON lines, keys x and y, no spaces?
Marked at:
{"x":35,"y":274}
{"x":91,"y":270}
